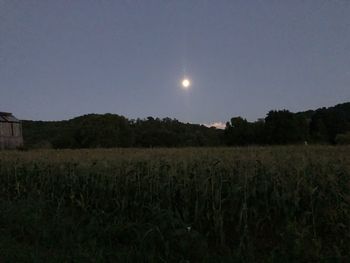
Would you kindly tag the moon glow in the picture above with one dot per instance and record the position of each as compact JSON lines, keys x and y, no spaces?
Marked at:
{"x":186,"y":83}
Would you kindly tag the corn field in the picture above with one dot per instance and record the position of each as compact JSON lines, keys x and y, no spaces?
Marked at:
{"x":257,"y":204}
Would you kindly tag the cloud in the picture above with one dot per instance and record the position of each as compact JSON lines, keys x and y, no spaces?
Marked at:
{"x":218,"y":125}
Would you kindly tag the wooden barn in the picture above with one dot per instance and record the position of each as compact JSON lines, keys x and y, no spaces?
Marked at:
{"x":10,"y":131}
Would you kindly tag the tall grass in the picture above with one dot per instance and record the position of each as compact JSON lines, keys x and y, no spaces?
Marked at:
{"x":273,"y":204}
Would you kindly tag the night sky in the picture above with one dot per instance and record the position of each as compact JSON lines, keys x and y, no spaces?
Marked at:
{"x":60,"y":59}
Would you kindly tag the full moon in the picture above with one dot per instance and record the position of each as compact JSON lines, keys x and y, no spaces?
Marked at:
{"x":186,"y":83}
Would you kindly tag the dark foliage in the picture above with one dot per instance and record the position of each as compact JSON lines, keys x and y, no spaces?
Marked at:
{"x":283,"y":127}
{"x":324,"y":125}
{"x":110,"y":130}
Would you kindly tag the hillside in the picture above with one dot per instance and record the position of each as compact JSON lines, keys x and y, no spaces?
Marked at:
{"x":111,"y":130}
{"x":324,"y":125}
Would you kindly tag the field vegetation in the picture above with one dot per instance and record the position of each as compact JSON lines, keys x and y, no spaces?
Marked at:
{"x":254,"y":204}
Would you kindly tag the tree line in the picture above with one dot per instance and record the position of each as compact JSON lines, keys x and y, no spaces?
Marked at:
{"x":322,"y":126}
{"x":279,"y":127}
{"x":111,"y":130}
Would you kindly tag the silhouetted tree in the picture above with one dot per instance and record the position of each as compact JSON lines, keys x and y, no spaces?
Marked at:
{"x":284,"y":127}
{"x":326,"y":125}
{"x":239,"y":132}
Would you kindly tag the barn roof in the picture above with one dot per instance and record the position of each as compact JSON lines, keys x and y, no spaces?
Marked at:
{"x":8,"y":117}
